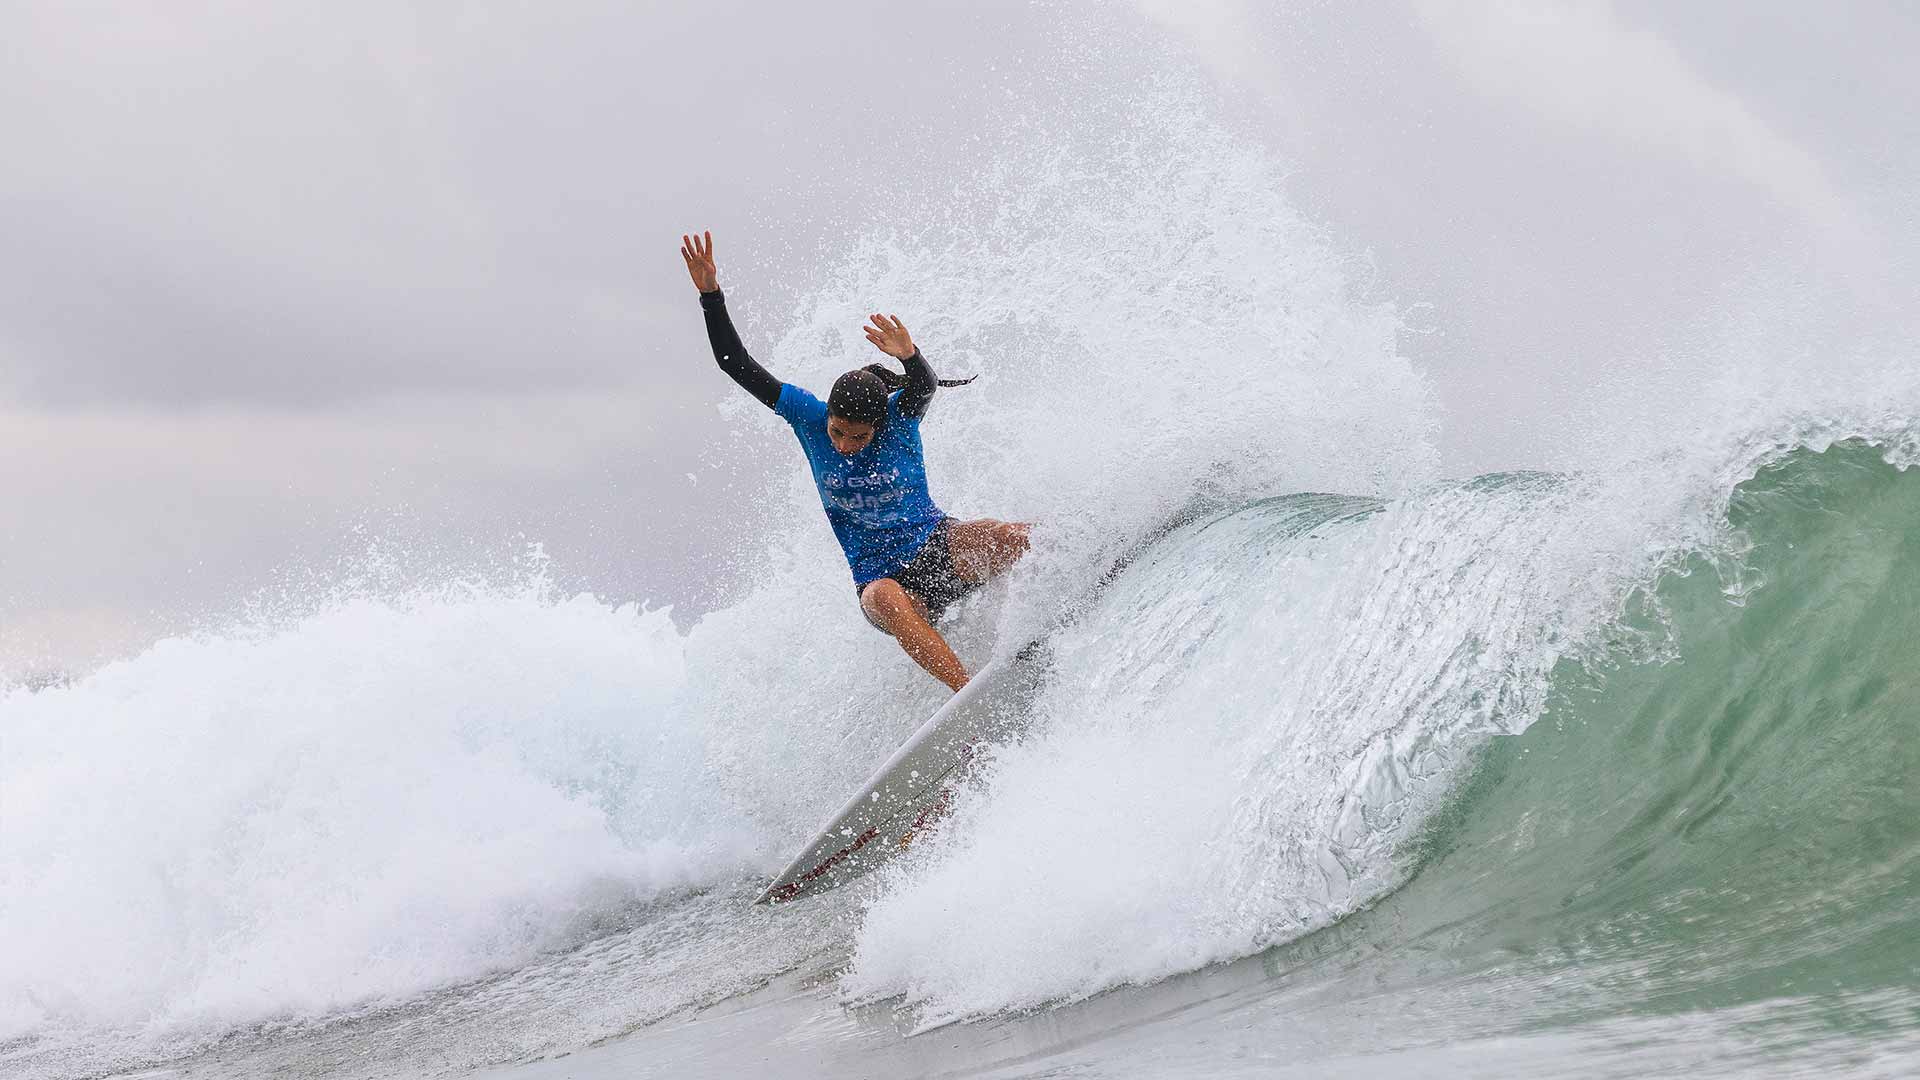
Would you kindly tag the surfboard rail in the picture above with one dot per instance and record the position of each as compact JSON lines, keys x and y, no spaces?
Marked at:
{"x":912,"y":788}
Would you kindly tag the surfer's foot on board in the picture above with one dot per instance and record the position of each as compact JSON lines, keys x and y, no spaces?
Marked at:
{"x":900,"y":613}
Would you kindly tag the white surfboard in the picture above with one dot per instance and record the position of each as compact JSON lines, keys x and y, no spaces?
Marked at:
{"x":911,"y":790}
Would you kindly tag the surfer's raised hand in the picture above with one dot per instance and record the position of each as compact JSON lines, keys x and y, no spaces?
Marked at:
{"x":698,"y":251}
{"x":890,"y":337}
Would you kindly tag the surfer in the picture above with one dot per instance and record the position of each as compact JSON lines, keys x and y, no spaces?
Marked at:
{"x":909,"y":560}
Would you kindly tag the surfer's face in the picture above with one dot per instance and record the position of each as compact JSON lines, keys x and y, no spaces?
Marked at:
{"x":849,"y":436}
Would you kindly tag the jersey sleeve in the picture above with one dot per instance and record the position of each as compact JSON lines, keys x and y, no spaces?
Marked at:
{"x":898,"y":405}
{"x":799,"y":408}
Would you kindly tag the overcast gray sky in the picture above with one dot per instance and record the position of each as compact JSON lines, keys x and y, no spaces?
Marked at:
{"x":281,"y":281}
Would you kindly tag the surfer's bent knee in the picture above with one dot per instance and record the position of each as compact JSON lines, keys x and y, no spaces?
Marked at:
{"x":997,"y":545}
{"x":882,"y":596}
{"x":883,"y":600}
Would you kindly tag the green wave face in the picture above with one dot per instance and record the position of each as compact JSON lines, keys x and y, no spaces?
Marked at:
{"x":1736,"y":824}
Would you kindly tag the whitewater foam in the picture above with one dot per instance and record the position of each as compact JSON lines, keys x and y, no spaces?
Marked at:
{"x":376,"y":799}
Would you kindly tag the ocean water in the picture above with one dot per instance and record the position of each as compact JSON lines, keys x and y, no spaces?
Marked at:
{"x":1603,"y":770}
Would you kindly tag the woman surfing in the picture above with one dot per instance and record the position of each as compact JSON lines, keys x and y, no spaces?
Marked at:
{"x":909,"y":560}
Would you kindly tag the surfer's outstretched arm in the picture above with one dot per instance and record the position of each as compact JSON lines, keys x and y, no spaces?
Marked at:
{"x":918,"y":393}
{"x":728,"y":352}
{"x":890,"y":337}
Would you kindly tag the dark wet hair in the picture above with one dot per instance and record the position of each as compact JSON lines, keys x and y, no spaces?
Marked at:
{"x":861,"y":394}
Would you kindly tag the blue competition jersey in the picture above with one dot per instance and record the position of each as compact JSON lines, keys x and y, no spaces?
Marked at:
{"x":876,"y":499}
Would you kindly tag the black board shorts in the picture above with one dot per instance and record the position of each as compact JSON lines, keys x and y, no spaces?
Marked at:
{"x":929,"y":576}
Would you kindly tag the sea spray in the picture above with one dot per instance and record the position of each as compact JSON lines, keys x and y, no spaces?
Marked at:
{"x":1131,"y":366}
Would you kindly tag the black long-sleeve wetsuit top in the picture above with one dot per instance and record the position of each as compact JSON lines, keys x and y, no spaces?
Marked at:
{"x":742,"y":368}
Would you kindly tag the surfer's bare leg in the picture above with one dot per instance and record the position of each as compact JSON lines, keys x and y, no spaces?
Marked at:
{"x":983,"y":548}
{"x":900,"y":614}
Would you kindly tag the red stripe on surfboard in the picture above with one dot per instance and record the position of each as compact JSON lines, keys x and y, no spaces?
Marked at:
{"x":787,"y":892}
{"x":933,"y":812}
